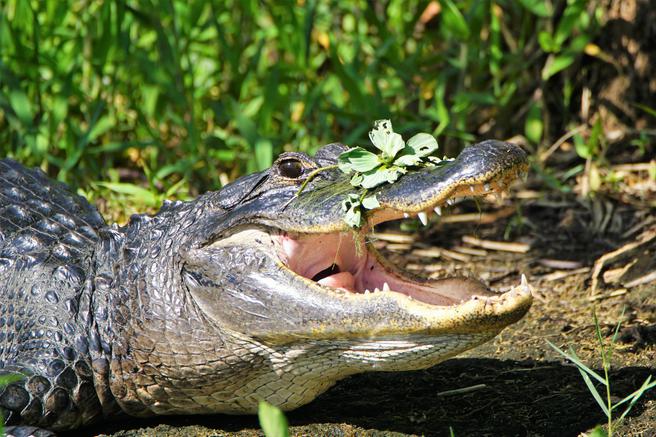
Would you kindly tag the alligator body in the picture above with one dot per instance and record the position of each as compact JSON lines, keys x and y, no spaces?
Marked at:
{"x":245,"y":294}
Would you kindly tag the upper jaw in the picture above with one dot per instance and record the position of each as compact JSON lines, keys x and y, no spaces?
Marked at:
{"x":481,"y":169}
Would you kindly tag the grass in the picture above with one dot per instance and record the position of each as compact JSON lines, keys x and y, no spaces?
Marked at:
{"x":178,"y":97}
{"x":272,"y":420}
{"x":604,"y":398}
{"x":4,"y":381}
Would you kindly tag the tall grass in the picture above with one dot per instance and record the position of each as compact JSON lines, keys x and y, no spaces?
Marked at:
{"x":196,"y":92}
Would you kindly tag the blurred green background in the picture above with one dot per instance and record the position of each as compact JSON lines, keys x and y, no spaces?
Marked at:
{"x":151,"y":99}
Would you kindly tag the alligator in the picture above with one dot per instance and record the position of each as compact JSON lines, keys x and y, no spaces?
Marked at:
{"x":254,"y":292}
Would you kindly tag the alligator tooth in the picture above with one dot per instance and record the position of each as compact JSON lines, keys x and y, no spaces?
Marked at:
{"x":450,"y":201}
{"x":423,"y":218}
{"x":524,"y":282}
{"x":376,"y":290}
{"x":472,"y":188}
{"x":406,"y":215}
{"x":386,"y":286}
{"x":367,"y":291}
{"x":438,"y":210}
{"x":486,"y":187}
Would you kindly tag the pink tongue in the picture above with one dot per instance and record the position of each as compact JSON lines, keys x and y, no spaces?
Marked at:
{"x":339,"y":280}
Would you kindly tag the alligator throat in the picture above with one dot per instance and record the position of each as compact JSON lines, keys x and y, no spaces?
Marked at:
{"x":347,"y":262}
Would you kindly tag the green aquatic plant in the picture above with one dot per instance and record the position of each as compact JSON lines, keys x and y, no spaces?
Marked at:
{"x":370,"y":170}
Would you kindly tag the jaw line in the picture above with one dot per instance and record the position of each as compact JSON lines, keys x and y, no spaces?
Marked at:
{"x":322,"y":312}
{"x":349,"y":265}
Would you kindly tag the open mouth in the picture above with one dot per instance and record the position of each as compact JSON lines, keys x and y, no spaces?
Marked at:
{"x":302,"y":260}
{"x":348,"y":262}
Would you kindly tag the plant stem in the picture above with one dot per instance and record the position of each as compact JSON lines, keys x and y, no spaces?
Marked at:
{"x":608,"y":399}
{"x":312,"y":175}
{"x":605,"y":361}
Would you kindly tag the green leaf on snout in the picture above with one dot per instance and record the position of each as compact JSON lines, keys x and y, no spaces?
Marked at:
{"x":353,"y":217}
{"x":423,"y":144}
{"x":351,"y":199}
{"x":357,"y":179}
{"x":408,"y":160}
{"x":351,"y":209}
{"x":370,"y":202}
{"x":371,"y":170}
{"x":357,"y":159}
{"x":380,"y":176}
{"x":385,"y":139}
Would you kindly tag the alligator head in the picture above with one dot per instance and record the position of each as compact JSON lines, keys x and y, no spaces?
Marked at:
{"x":253,"y":293}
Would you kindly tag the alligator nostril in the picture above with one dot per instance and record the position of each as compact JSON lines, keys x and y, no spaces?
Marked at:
{"x":333,"y":269}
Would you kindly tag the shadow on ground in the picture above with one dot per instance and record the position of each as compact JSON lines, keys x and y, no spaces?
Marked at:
{"x":518,"y":398}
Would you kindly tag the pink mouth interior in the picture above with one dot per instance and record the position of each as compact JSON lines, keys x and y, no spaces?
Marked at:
{"x":337,"y":260}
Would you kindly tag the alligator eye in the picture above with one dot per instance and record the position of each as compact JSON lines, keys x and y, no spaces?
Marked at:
{"x":291,"y":168}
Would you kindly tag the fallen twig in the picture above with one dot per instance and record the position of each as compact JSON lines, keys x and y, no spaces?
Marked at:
{"x":618,"y":292}
{"x":623,"y":252}
{"x":497,"y":245}
{"x":483,"y":218}
{"x":470,"y":250}
{"x":393,"y":238}
{"x":559,"y":142}
{"x":651,"y":276}
{"x":555,"y":276}
{"x":560,"y":264}
{"x":640,"y":166}
{"x":435,"y":252}
{"x":460,"y":391}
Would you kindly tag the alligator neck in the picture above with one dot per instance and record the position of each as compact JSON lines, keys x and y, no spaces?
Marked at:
{"x":103,"y":326}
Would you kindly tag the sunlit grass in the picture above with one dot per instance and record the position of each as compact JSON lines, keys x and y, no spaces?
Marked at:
{"x":194,"y":93}
{"x":604,"y":398}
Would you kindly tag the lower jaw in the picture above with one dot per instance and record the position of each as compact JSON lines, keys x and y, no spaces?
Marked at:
{"x":372,"y":273}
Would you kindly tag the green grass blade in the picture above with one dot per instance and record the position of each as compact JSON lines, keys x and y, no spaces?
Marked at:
{"x":5,"y":380}
{"x":22,"y":107}
{"x":574,"y":359}
{"x":454,"y":20}
{"x":605,"y":354}
{"x":9,"y":378}
{"x":594,"y":392}
{"x":633,"y":397}
{"x":598,"y":431}
{"x":272,"y":420}
{"x":647,"y":109}
{"x":617,"y":328}
{"x":140,"y":194}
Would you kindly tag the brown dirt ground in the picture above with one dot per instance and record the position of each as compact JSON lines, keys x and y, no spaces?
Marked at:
{"x":528,"y":389}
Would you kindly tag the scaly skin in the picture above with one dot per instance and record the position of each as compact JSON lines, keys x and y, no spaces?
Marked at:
{"x":192,"y":311}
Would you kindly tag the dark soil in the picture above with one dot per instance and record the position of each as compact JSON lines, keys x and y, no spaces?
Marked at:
{"x":523,"y":386}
